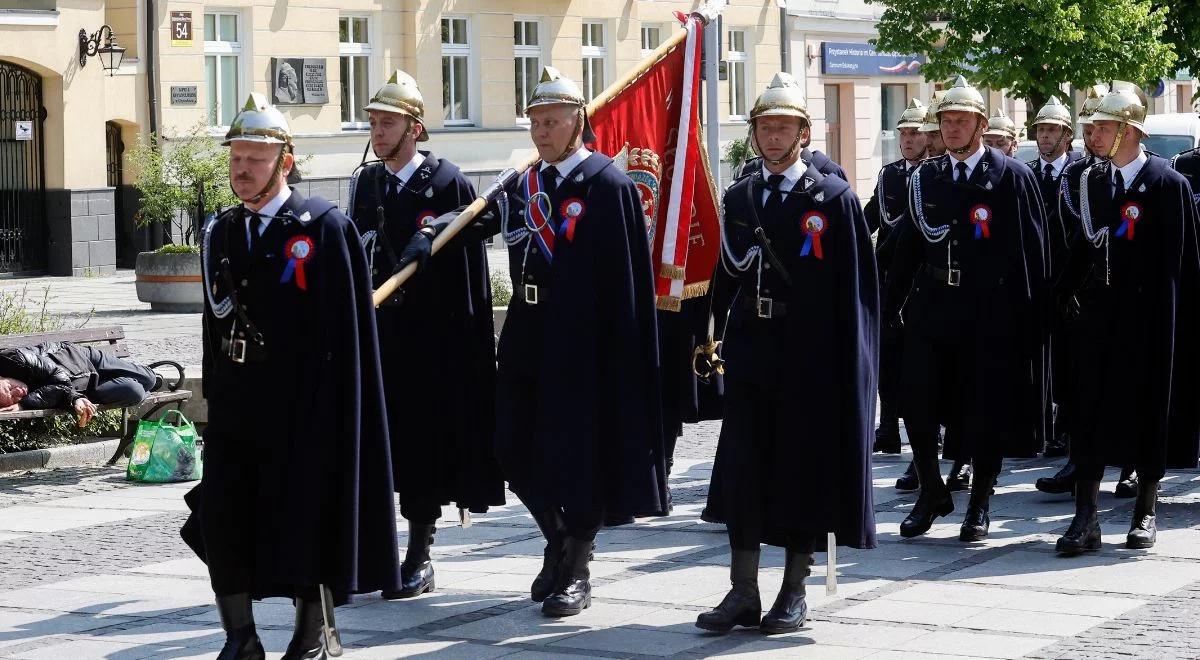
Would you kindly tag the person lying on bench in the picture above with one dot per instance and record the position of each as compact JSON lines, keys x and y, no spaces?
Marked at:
{"x":64,"y":375}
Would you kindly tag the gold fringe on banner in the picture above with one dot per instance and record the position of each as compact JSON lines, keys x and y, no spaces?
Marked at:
{"x":669,"y":303}
{"x":695,"y":290}
{"x":672,"y":272}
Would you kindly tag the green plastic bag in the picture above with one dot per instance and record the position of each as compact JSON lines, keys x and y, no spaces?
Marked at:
{"x":164,"y":452}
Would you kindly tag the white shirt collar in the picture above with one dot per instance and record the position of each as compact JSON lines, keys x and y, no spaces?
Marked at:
{"x":1056,"y":165}
{"x":567,"y":165}
{"x":972,"y":161}
{"x":1131,"y":169}
{"x":271,"y":208}
{"x":409,"y":168}
{"x":910,"y":165}
{"x":791,"y":176}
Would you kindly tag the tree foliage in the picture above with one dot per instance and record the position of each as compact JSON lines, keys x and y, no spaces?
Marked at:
{"x":1183,"y":33}
{"x":1032,"y":47}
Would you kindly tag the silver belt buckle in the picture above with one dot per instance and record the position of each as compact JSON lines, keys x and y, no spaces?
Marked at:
{"x":954,"y":277}
{"x":531,"y":294}
{"x":237,"y":350}
{"x":766,"y":308}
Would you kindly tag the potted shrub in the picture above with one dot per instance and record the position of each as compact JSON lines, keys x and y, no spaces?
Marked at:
{"x":180,"y":186}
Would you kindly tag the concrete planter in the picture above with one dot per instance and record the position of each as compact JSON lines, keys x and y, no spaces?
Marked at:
{"x":170,"y":282}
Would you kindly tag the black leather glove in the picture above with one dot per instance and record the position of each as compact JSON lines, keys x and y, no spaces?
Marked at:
{"x":419,"y":247}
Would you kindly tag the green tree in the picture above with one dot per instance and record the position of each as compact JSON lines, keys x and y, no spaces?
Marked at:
{"x":1183,"y":33}
{"x":169,"y":173}
{"x":1031,"y":47}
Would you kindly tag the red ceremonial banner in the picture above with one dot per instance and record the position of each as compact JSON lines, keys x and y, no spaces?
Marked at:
{"x":643,"y":128}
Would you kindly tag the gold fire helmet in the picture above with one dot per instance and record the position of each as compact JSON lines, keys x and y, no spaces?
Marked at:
{"x":401,"y":96}
{"x":913,"y":116}
{"x":1054,"y":112}
{"x":258,"y":121}
{"x":1126,"y":103}
{"x":782,"y":98}
{"x":1090,"y":102}
{"x":931,"y":121}
{"x":1001,"y":125}
{"x":962,"y":97}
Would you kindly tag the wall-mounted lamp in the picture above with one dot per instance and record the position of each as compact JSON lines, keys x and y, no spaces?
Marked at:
{"x":110,"y":53}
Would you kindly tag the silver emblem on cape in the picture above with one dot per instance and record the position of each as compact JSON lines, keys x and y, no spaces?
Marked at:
{"x":429,"y":192}
{"x":1142,"y":188}
{"x":579,"y":178}
{"x":808,"y":182}
{"x":988,"y":186}
{"x":306,"y":217}
{"x":820,"y":196}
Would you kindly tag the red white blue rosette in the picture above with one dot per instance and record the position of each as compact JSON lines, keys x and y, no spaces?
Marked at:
{"x":1131,"y":212}
{"x":298,"y":250}
{"x":425,"y":217}
{"x":981,"y":217}
{"x":571,"y":210}
{"x":814,"y":223}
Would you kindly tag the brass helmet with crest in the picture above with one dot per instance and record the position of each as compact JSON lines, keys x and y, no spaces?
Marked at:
{"x":1091,"y":101}
{"x":258,"y":121}
{"x":913,"y":116}
{"x":401,"y":96}
{"x":1055,"y":113}
{"x":962,"y":97}
{"x":1126,"y":103}
{"x":930,"y":124}
{"x":554,"y":88}
{"x":782,"y":98}
{"x":1001,"y":125}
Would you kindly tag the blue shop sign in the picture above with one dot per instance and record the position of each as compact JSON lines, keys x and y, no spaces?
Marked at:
{"x":851,"y":59}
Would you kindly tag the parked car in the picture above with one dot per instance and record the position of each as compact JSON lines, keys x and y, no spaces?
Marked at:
{"x":1027,"y":150}
{"x":1172,"y":133}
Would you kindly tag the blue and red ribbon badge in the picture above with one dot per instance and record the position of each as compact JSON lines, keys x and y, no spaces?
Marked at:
{"x":298,"y":250}
{"x":981,"y":217}
{"x":814,"y":224}
{"x":425,"y":217}
{"x":537,"y":214}
{"x":571,"y":210}
{"x":1131,"y":212}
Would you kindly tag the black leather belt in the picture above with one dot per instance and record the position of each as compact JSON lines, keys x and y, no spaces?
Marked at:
{"x":532,"y":294}
{"x":764,"y":308}
{"x":952,"y":277}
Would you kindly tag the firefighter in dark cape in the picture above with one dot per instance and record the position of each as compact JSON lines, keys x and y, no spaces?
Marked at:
{"x":296,"y":499}
{"x":396,"y":202}
{"x":798,"y":274}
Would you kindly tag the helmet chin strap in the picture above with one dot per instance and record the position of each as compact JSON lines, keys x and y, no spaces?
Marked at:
{"x":391,"y":155}
{"x":571,"y":148}
{"x":1112,"y":152}
{"x":275,"y":171}
{"x":1058,"y":143}
{"x":783,"y":159}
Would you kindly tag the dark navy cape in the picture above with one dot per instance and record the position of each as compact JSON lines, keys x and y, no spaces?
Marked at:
{"x":812,"y":370}
{"x":448,"y":456}
{"x":578,"y":414}
{"x":998,"y":318}
{"x":886,"y":209}
{"x":308,"y":423}
{"x":1132,"y":344}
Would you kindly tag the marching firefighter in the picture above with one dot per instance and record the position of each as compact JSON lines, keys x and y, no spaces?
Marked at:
{"x":296,"y":499}
{"x":395,"y":202}
{"x":794,"y":457}
{"x":578,"y":420}
{"x":931,"y":129}
{"x":883,"y":212}
{"x":971,"y":253}
{"x":1134,"y":270}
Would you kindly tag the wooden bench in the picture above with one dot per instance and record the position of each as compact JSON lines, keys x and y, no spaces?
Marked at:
{"x":111,"y":340}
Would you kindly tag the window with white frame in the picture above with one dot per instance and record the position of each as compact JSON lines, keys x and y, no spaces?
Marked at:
{"x":354,"y":56}
{"x":527,"y":61}
{"x":222,"y":66}
{"x":735,"y":58}
{"x":595,"y":55}
{"x":651,"y":39}
{"x":456,"y":65}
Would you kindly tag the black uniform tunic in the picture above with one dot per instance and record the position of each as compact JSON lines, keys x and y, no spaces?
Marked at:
{"x":886,"y":209}
{"x":976,"y":323}
{"x":1134,"y":269}
{"x":578,"y":416}
{"x":794,"y":456}
{"x":297,"y":487}
{"x":436,"y":341}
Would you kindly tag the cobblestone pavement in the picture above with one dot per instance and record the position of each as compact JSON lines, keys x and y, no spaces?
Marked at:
{"x":92,"y":567}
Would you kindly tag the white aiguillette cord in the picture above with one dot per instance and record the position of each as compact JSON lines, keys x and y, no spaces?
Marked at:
{"x":831,"y":564}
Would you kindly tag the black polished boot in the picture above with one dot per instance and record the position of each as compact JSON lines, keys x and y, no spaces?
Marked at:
{"x":306,"y":641}
{"x":1127,"y":485}
{"x":551,"y":524}
{"x":416,"y":571}
{"x":742,"y":606}
{"x":933,"y":502}
{"x":977,"y":521}
{"x":908,"y":482}
{"x":1057,"y":446}
{"x":959,"y":478}
{"x":1062,"y":481}
{"x":237,"y":620}
{"x":887,"y":435}
{"x":1084,"y":532}
{"x":1143,"y":531}
{"x":789,"y":611}
{"x":574,"y":591}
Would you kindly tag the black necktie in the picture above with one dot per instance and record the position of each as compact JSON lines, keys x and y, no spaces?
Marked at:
{"x":775,"y":196}
{"x":1119,"y":184}
{"x":962,"y":172}
{"x":550,"y":180}
{"x":256,"y":223}
{"x":1048,"y":172}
